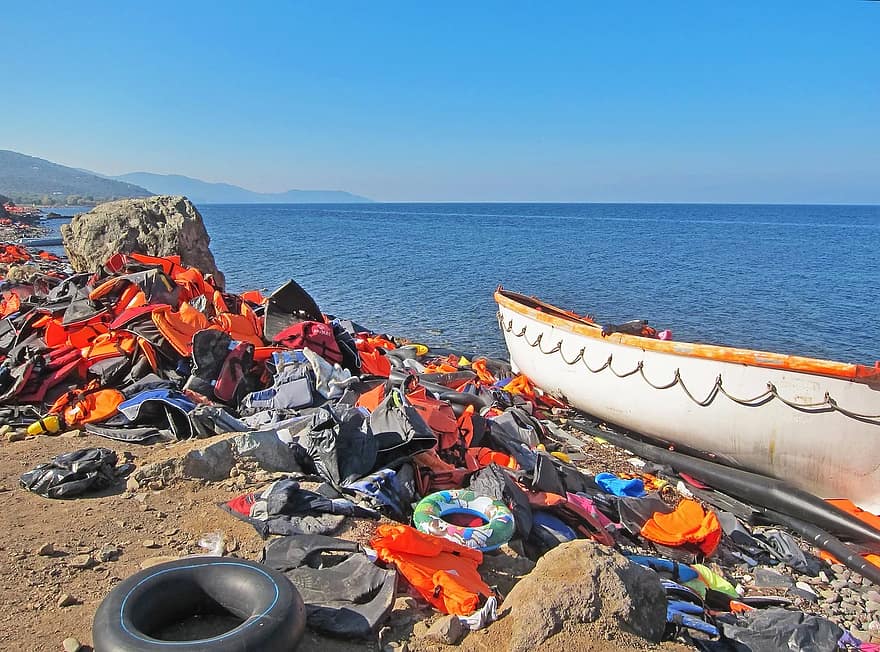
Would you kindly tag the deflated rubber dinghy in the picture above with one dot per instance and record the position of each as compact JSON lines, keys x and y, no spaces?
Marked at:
{"x":148,"y":611}
{"x":350,"y":599}
{"x":288,"y":305}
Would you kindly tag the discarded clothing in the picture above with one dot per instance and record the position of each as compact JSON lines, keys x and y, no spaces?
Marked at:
{"x":769,"y":630}
{"x":390,"y":491}
{"x":284,"y":508}
{"x":443,"y":572}
{"x":687,"y":524}
{"x":612,"y":484}
{"x":349,"y":599}
{"x":70,"y":474}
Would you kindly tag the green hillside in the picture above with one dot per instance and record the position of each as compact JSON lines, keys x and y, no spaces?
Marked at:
{"x":30,"y":180}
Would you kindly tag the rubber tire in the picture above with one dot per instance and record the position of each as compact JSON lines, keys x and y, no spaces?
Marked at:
{"x":272,"y":610}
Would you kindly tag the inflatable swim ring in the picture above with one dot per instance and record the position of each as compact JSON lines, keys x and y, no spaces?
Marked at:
{"x":498,"y":528}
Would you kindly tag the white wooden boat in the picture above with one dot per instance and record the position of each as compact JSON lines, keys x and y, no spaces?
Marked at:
{"x":814,"y":423}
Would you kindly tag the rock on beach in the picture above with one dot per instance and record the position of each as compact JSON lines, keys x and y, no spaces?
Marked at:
{"x":157,"y":226}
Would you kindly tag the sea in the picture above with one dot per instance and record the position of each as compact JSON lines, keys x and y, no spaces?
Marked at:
{"x":791,"y":279}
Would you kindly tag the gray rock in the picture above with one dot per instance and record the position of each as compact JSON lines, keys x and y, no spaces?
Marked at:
{"x":838,"y":568}
{"x":872,"y":607}
{"x":108,"y":553}
{"x":158,"y":226}
{"x":447,"y":630}
{"x":805,"y":591}
{"x":71,"y":645}
{"x":872,"y":595}
{"x":838,"y":584}
{"x":81,"y":561}
{"x":46,"y":550}
{"x":584,"y":587}
{"x":212,"y":463}
{"x":767,"y":578}
{"x":830,"y":595}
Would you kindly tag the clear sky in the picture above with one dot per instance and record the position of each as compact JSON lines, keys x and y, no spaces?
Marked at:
{"x":749,"y":101}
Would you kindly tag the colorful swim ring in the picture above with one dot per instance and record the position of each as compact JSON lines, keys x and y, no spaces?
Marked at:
{"x":429,"y":517}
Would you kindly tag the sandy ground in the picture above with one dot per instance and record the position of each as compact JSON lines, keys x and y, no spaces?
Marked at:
{"x":99,"y":539}
{"x":141,"y":526}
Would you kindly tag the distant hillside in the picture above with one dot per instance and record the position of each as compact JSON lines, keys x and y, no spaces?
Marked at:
{"x":31,"y":180}
{"x":202,"y":192}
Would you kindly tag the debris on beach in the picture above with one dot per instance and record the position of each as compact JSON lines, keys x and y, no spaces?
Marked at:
{"x":417,"y":498}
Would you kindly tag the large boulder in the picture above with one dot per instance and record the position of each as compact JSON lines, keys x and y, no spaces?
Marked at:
{"x":157,"y":226}
{"x":580,"y":596}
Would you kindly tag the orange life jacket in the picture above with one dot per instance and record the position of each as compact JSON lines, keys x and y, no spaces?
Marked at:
{"x":869,"y":518}
{"x":439,"y":417}
{"x":443,"y":572}
{"x":179,"y":327}
{"x":371,"y":399}
{"x":688,"y":523}
{"x":479,"y":458}
{"x":482,"y":371}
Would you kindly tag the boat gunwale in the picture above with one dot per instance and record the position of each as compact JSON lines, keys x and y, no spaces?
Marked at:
{"x":567,"y":320}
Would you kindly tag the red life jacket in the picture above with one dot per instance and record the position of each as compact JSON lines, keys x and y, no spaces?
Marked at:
{"x":313,"y":335}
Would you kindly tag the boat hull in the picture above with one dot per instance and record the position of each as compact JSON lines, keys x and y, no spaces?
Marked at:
{"x":792,"y":433}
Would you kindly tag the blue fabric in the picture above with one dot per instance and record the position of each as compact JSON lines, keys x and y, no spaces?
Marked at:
{"x":132,"y":407}
{"x":383,"y":487}
{"x":549,"y":522}
{"x":680,"y":572}
{"x":611,"y":484}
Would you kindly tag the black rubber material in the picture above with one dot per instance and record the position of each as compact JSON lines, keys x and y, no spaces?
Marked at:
{"x":764,"y":491}
{"x":350,"y":599}
{"x":272,"y":612}
{"x":441,"y":391}
{"x":821,"y":539}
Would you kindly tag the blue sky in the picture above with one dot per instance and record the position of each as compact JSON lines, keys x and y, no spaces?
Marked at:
{"x":489,"y":101}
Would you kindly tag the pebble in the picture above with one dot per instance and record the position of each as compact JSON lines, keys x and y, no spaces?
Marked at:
{"x":73,"y":434}
{"x":46,"y":550}
{"x":149,"y":543}
{"x":14,"y":436}
{"x":81,"y":561}
{"x":109,"y":553}
{"x":131,"y":484}
{"x":395,"y":646}
{"x":872,"y":607}
{"x":838,"y":568}
{"x":830,"y":595}
{"x":447,"y":630}
{"x":805,"y":591}
{"x":872,"y":595}
{"x":66,"y":600}
{"x":405,"y":602}
{"x":71,"y":645}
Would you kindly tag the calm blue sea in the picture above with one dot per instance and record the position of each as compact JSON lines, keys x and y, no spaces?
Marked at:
{"x":792,"y":279}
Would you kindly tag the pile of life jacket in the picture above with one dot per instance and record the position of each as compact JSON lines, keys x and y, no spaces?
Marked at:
{"x":148,"y":348}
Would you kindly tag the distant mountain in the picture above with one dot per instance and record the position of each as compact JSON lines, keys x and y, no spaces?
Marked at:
{"x":27,"y":179}
{"x":202,"y":192}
